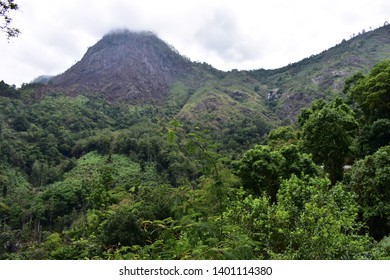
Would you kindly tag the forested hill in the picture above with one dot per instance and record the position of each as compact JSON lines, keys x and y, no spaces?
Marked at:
{"x":138,"y":153}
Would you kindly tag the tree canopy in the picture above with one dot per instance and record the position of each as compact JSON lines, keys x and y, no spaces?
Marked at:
{"x":370,"y":180}
{"x":372,"y":92}
{"x":328,"y":132}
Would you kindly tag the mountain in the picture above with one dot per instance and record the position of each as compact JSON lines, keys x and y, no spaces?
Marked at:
{"x":139,"y":68}
{"x":125,"y":65}
{"x":290,"y":88}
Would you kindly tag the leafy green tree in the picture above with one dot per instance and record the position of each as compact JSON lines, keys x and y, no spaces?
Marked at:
{"x":383,"y":248}
{"x":281,"y":136}
{"x":297,"y":162}
{"x":380,"y":133}
{"x":6,"y":7}
{"x":351,"y":81}
{"x":39,"y":173}
{"x":322,"y":221}
{"x":372,"y":92}
{"x":327,"y":133}
{"x":20,"y":123}
{"x":175,"y":165}
{"x":311,"y":220}
{"x":7,"y":90}
{"x":99,"y":196}
{"x":370,"y":180}
{"x":122,"y":227}
{"x":370,"y":97}
{"x":373,"y":136}
{"x":261,"y":169}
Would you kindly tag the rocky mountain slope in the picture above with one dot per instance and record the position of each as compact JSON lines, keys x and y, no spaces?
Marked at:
{"x":125,"y":65}
{"x":140,"y":68}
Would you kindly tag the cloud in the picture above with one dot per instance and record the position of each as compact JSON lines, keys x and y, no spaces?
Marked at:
{"x":222,"y":35}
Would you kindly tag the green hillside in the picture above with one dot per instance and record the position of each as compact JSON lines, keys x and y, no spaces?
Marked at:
{"x":218,"y":100}
{"x":323,"y":75}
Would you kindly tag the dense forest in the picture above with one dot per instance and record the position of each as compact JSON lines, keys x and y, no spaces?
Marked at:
{"x":85,"y":178}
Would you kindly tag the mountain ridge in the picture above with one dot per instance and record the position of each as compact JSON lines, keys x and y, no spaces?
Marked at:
{"x":323,"y":75}
{"x":139,"y":68}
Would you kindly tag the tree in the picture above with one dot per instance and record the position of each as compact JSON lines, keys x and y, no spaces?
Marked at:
{"x":370,"y":97}
{"x":327,"y":133}
{"x":8,"y":91}
{"x":262,"y":168}
{"x":373,"y":136}
{"x":372,"y":93}
{"x":39,"y":173}
{"x":281,"y":136}
{"x":122,"y":227}
{"x":5,"y":8}
{"x":370,"y":180}
{"x":310,"y":220}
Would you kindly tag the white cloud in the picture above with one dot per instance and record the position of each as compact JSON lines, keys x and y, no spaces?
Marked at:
{"x":222,"y":35}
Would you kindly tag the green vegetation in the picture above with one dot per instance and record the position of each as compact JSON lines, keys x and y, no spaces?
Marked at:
{"x":82,"y":178}
{"x":327,"y":133}
{"x":322,"y":75}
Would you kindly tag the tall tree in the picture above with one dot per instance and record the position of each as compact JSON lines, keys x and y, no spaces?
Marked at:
{"x":372,"y":93}
{"x":370,"y":180}
{"x":327,"y":133}
{"x":371,"y":96}
{"x":261,"y":169}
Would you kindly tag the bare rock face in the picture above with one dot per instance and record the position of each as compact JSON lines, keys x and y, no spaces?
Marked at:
{"x":125,"y":66}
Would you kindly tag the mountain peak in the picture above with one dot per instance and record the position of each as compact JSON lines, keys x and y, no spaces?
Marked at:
{"x":125,"y":65}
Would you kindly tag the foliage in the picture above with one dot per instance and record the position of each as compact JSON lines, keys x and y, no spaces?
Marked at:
{"x":7,"y":90}
{"x":84,"y":178}
{"x":281,"y":136}
{"x":328,"y":132}
{"x":122,"y":228}
{"x":373,"y":136}
{"x":372,"y":93}
{"x":383,"y":248}
{"x":370,"y":180}
{"x":261,"y":169}
{"x":6,"y":7}
{"x":311,"y":220}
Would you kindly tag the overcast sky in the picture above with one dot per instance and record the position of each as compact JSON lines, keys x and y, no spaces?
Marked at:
{"x":243,"y":34}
